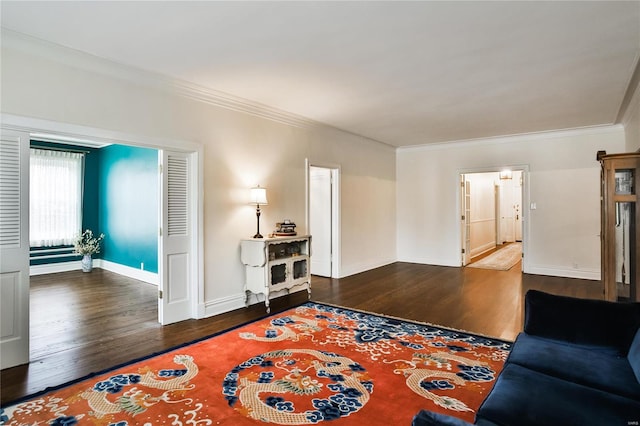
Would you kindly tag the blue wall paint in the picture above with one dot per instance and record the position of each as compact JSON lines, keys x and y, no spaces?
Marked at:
{"x":90,"y":199}
{"x":128,"y":205}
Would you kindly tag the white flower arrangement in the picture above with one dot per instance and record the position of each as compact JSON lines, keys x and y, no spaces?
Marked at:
{"x":87,"y":243}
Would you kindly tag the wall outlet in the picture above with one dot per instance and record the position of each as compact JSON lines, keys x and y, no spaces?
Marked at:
{"x":142,"y":265}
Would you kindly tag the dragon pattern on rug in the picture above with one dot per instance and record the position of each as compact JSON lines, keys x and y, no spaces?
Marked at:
{"x":336,"y":386}
{"x":380,"y":337}
{"x":321,"y":363}
{"x":129,"y":393}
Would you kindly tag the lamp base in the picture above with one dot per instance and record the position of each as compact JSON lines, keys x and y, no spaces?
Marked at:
{"x":257,"y":222}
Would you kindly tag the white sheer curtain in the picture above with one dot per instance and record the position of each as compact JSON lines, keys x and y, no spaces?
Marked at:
{"x":55,"y":209}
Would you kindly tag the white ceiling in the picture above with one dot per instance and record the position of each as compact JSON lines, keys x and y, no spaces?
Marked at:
{"x":403,"y":73}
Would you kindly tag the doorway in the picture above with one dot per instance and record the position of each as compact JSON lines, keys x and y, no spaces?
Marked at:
{"x":179,"y":262}
{"x":323,"y":219}
{"x":117,"y":195}
{"x":491,"y":212}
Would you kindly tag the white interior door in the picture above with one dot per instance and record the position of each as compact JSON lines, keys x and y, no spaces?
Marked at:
{"x":517,"y":187}
{"x":320,"y":223}
{"x":14,"y":248}
{"x":176,"y":235}
{"x":507,"y":212}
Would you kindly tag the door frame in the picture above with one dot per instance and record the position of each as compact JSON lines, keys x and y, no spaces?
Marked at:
{"x":38,"y":127}
{"x":497,"y":200}
{"x":524,"y":168}
{"x":335,"y":211}
{"x":465,"y":238}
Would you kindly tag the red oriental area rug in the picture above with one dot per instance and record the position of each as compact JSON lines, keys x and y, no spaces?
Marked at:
{"x":308,"y":365}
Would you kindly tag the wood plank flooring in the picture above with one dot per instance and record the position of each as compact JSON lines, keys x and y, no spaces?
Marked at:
{"x":84,"y":323}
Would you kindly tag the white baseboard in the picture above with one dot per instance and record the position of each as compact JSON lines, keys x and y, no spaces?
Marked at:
{"x":237,"y":301}
{"x":54,"y":268}
{"x":432,"y":261}
{"x":75,"y":265}
{"x":223,"y":304}
{"x":584,"y":274}
{"x":127,"y":271}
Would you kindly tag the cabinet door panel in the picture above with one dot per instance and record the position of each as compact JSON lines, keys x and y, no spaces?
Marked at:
{"x":620,"y":218}
{"x":278,"y":273}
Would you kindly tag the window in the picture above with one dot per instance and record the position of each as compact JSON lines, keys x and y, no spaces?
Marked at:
{"x":55,"y":209}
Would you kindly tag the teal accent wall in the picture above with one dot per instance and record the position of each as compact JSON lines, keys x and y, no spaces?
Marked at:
{"x":90,"y":200}
{"x":128,"y":206}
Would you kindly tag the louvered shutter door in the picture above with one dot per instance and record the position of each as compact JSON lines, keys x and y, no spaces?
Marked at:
{"x":9,"y":193}
{"x":177,"y":193}
{"x":176,"y":266}
{"x":14,"y":248}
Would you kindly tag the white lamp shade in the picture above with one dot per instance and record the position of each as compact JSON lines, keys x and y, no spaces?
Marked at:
{"x":258,"y":195}
{"x":506,"y":174}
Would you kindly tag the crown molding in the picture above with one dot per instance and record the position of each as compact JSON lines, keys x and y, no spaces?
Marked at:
{"x":632,"y":104}
{"x":633,"y":87}
{"x":88,"y":62}
{"x":521,"y":137}
{"x":111,"y":68}
{"x":235,"y":103}
{"x":85,"y":61}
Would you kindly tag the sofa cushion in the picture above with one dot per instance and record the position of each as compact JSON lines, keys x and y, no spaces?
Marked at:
{"x":429,"y":418}
{"x":581,"y":321}
{"x":525,"y":397}
{"x":600,"y":369}
{"x":634,"y":356}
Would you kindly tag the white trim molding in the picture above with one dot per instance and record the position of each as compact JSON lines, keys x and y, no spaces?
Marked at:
{"x":221,"y":305}
{"x":61,"y":130}
{"x":584,"y":274}
{"x":75,"y":265}
{"x":88,"y":62}
{"x":127,"y":271}
{"x":85,"y":61}
{"x":522,"y":137}
{"x":54,"y":268}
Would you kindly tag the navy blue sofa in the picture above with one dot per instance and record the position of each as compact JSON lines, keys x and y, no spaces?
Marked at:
{"x":576,"y":363}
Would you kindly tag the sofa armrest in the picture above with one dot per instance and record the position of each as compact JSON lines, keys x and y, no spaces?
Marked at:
{"x":581,"y":321}
{"x":429,"y":418}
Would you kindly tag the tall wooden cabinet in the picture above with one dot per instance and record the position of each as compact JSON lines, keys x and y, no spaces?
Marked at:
{"x":619,"y":228}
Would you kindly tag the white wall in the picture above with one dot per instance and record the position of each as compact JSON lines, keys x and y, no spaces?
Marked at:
{"x":563,"y":181}
{"x":631,"y":122}
{"x":240,"y":151}
{"x":482,"y":214}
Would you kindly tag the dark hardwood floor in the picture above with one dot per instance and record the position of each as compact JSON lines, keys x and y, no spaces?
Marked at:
{"x":84,"y":323}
